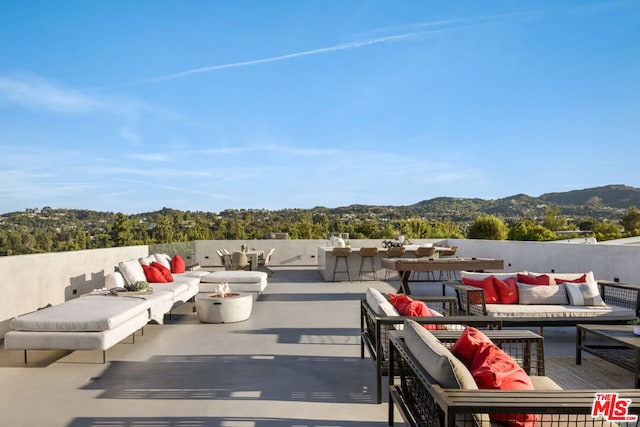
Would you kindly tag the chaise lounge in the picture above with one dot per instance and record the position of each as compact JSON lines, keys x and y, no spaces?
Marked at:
{"x":93,"y":322}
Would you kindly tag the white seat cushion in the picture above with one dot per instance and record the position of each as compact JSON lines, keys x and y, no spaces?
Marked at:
{"x":89,"y":313}
{"x":609,"y":312}
{"x":235,"y":277}
{"x":174,"y":288}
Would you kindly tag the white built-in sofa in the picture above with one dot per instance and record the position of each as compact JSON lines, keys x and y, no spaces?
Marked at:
{"x":99,"y":320}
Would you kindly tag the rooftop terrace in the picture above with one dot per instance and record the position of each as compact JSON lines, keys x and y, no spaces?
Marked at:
{"x":295,"y":362}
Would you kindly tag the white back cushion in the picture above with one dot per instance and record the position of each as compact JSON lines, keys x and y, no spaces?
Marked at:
{"x":132,"y":271}
{"x":114,"y":280}
{"x":379,"y":303}
{"x":163,"y":259}
{"x":541,"y":294}
{"x":584,"y":294}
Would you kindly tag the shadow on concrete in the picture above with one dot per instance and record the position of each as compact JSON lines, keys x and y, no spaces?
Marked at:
{"x":336,"y":336}
{"x":295,"y":275}
{"x":216,"y":422}
{"x":240,"y":377}
{"x":312,"y":296}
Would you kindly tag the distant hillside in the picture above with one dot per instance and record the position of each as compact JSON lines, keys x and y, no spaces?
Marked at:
{"x":602,"y":203}
{"x":52,"y":230}
{"x":613,"y":196}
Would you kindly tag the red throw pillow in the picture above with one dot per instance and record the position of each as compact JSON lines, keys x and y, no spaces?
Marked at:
{"x":471,"y":340}
{"x":153,"y":275}
{"x":542,"y":279}
{"x":507,"y":290}
{"x":178,"y":265}
{"x":407,"y":306}
{"x":400,"y":302}
{"x":164,"y":270}
{"x":490,"y":294}
{"x":492,"y":368}
{"x":581,"y":279}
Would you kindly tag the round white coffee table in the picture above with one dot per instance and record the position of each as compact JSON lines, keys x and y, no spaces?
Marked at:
{"x":234,"y":307}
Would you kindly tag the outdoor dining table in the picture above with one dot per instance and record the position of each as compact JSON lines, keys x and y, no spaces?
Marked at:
{"x":252,"y":256}
{"x":404,"y":267}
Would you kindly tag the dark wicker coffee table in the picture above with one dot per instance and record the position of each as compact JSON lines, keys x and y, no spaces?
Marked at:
{"x":614,"y":343}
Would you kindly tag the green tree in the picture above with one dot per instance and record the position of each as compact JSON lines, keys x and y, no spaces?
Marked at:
{"x":553,"y":220}
{"x":630,"y":221}
{"x":530,"y":230}
{"x":120,"y":231}
{"x":488,"y":227}
{"x":165,"y":230}
{"x":388,"y":232}
{"x":607,"y":231}
{"x":415,"y":228}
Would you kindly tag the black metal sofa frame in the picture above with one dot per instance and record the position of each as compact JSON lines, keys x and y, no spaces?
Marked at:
{"x":422,"y":402}
{"x":374,"y":329}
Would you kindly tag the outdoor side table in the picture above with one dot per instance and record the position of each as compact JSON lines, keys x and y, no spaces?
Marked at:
{"x":616,"y":344}
{"x":233,"y":307}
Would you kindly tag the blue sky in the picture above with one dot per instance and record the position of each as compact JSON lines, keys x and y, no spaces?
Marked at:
{"x":211,"y":105}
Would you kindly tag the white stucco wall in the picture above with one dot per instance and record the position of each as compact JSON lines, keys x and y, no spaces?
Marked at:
{"x":30,"y":282}
{"x":608,"y":262}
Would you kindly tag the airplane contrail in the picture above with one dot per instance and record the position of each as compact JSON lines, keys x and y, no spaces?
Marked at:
{"x":343,"y":46}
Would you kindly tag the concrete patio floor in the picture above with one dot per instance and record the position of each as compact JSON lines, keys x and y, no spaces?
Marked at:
{"x":295,"y":362}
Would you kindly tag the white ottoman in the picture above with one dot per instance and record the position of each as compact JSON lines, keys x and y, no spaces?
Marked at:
{"x":235,"y":307}
{"x":239,"y":281}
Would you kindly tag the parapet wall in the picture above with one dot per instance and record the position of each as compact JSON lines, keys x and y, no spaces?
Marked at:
{"x":30,"y":282}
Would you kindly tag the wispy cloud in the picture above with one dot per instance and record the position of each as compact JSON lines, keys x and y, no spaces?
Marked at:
{"x":129,"y":135}
{"x":451,"y":24}
{"x":421,"y":33}
{"x":277,"y":149}
{"x":339,"y":47}
{"x":150,"y":157}
{"x":34,"y":92}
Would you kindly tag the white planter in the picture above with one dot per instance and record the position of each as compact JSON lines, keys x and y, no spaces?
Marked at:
{"x":636,"y":329}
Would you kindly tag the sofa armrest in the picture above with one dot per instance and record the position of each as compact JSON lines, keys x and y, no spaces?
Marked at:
{"x":375,"y":330}
{"x":470,"y":298}
{"x":620,"y":294}
{"x":523,"y":346}
{"x":448,"y":306}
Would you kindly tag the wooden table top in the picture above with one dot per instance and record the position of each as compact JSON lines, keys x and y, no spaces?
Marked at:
{"x":442,"y":264}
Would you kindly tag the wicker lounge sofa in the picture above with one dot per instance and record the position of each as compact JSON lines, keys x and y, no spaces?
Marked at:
{"x":431,"y":387}
{"x":378,"y":317}
{"x":561,"y":303}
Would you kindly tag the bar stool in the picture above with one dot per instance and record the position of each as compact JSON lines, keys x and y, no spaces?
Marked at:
{"x":341,"y":253}
{"x":423,"y":252}
{"x":394,"y":252}
{"x":367,"y":254}
{"x":448,"y":253}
